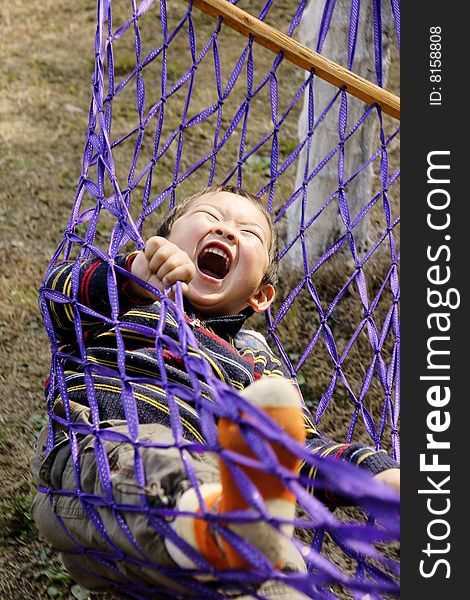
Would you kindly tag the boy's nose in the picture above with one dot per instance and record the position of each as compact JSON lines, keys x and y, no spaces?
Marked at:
{"x":226,"y":231}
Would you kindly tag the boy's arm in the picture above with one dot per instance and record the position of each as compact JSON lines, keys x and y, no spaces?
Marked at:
{"x":377,"y":462}
{"x":161,"y":264}
{"x":93,"y":293}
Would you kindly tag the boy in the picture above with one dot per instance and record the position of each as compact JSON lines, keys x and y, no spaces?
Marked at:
{"x":221,"y":245}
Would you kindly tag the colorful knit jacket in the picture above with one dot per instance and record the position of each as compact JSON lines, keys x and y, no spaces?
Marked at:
{"x":236,"y":356}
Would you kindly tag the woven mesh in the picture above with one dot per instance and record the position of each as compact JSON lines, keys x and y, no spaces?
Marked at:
{"x":180,"y":101}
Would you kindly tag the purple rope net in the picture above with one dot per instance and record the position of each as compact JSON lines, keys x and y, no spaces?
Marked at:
{"x":179,"y":101}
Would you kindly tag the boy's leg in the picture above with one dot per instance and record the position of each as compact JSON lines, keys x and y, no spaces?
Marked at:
{"x":96,"y":553}
{"x":166,"y":483}
{"x":280,"y":400}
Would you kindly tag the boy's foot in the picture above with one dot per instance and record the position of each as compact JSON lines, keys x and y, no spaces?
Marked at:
{"x":280,"y":400}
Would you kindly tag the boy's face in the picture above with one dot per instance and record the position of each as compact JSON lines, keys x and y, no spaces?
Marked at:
{"x":228,"y":239}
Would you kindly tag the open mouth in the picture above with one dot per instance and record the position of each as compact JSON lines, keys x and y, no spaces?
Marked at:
{"x":214,"y":262}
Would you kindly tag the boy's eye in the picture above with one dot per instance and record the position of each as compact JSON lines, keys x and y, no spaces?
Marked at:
{"x":254,"y":233}
{"x":212,"y":215}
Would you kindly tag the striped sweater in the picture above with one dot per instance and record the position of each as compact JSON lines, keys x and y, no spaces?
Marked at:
{"x":236,"y":356}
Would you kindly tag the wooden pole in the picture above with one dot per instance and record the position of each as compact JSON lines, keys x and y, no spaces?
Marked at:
{"x":300,"y":55}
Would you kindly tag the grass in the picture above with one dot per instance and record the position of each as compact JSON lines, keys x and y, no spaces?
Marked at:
{"x":15,"y":514}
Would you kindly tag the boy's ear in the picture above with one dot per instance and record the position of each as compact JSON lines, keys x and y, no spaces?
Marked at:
{"x":263,"y":298}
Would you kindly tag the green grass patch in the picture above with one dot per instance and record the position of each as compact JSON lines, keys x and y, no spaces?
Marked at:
{"x":15,"y":515}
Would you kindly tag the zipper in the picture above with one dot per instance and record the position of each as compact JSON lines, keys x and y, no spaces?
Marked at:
{"x":195,"y":323}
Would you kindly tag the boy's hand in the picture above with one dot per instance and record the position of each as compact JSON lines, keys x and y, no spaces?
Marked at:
{"x":161,"y":264}
{"x":390,"y":477}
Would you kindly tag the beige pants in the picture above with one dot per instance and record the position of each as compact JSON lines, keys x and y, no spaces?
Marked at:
{"x":105,"y":548}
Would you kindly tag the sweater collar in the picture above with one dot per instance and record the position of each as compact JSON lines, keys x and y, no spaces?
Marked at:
{"x":223,"y":326}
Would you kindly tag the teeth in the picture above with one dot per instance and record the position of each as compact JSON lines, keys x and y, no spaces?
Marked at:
{"x":218,"y":251}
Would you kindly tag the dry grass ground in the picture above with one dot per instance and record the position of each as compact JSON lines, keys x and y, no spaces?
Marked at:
{"x":46,"y":51}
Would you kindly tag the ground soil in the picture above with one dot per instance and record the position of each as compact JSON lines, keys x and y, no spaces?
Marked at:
{"x":47,"y":52}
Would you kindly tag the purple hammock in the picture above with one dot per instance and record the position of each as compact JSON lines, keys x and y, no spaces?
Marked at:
{"x":132,"y":176}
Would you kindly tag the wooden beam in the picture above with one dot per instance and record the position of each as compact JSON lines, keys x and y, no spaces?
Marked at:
{"x":300,"y":55}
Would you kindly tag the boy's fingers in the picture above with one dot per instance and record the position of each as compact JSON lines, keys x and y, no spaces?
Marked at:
{"x":172,"y":292}
{"x":152,"y":245}
{"x":166,"y":261}
{"x":162,"y":255}
{"x":167,"y":264}
{"x":183,"y":273}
